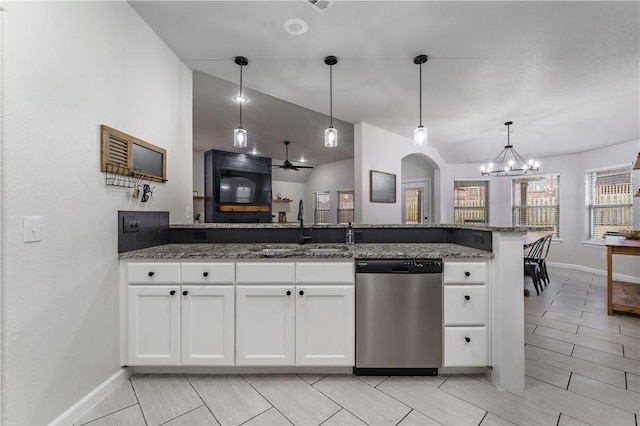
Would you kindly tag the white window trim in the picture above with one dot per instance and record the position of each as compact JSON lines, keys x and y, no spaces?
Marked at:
{"x":597,"y":242}
{"x":614,"y":166}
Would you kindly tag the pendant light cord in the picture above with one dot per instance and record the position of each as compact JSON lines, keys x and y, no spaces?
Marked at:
{"x":420,"y":94}
{"x":331,"y":94}
{"x":241,"y":66}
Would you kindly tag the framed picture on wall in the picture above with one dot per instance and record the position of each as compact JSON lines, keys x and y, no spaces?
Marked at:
{"x":382,"y":187}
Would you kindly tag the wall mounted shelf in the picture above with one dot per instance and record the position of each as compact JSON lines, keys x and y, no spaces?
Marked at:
{"x":281,"y":200}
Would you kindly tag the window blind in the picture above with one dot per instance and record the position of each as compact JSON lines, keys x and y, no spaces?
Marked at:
{"x":346,"y":203}
{"x":536,"y":201}
{"x":471,"y":201}
{"x":322,"y":214}
{"x":609,"y":201}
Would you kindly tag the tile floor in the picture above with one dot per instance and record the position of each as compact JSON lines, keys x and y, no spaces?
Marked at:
{"x":582,"y":367}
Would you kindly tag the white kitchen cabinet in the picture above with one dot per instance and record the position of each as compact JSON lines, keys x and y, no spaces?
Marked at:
{"x":153,"y":273}
{"x":265,"y":272}
{"x":465,"y":272}
{"x":465,"y":304}
{"x":325,"y":325}
{"x":154,"y":325}
{"x":207,"y":325}
{"x":466,"y":346}
{"x":265,"y":325}
{"x":465,"y":314}
{"x":209,"y":273}
{"x":310,"y":323}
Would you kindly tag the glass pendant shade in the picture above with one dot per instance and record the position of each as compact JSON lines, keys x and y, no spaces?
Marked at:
{"x":240,"y":138}
{"x":420,"y":136}
{"x":330,"y":137}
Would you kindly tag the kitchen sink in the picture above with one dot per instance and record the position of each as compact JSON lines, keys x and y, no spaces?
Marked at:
{"x":300,"y":249}
{"x":324,"y":250}
{"x":276,"y":250}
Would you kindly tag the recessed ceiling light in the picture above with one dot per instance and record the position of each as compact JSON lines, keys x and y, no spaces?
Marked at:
{"x":254,"y":152}
{"x":302,"y":160}
{"x":295,"y":26}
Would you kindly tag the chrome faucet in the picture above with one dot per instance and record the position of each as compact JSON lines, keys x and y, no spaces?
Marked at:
{"x":301,"y":237}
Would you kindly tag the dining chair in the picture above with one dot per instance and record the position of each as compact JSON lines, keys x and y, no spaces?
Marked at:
{"x":538,"y":255}
{"x":532,"y":264}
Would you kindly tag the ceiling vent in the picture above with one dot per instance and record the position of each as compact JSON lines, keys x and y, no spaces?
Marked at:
{"x":320,"y":5}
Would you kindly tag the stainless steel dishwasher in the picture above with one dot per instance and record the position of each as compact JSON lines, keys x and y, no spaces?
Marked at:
{"x":398,"y":316}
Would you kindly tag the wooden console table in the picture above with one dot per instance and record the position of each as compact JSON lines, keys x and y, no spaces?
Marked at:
{"x":621,"y":296}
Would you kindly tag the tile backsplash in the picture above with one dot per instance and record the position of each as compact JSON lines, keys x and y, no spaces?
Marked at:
{"x":137,"y":230}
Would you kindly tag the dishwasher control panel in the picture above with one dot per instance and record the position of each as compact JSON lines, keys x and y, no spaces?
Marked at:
{"x":398,"y":266}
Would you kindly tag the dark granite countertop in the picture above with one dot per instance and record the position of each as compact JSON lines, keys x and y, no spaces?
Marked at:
{"x":476,"y":227}
{"x":306,"y":251}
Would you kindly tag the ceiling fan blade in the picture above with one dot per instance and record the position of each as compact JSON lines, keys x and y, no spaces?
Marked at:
{"x":304,"y":167}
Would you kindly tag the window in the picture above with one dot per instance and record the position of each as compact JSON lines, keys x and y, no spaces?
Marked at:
{"x":345,"y":206}
{"x":471,"y":201}
{"x":322,"y":214}
{"x":536,"y":202}
{"x":609,"y":201}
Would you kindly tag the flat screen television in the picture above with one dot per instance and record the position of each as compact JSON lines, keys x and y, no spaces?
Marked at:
{"x":238,"y":187}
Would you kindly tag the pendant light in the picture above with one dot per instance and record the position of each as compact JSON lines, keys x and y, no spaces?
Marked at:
{"x":330,"y":134}
{"x":509,"y":162}
{"x":420,"y":134}
{"x":636,"y":165}
{"x":240,"y":134}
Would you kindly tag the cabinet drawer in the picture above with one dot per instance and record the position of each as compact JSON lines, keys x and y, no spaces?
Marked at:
{"x":465,"y":347}
{"x":153,"y":273}
{"x":465,"y":304}
{"x":325,"y":272}
{"x":214,"y":273}
{"x":465,"y":272}
{"x":265,"y":273}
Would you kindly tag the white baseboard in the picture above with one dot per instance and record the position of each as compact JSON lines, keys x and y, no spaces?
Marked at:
{"x":81,"y":407}
{"x":618,"y":277}
{"x":241,"y":370}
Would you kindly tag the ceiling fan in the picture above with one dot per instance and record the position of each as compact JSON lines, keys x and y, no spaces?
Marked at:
{"x":287,"y":165}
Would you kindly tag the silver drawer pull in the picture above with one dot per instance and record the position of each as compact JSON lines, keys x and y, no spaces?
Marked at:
{"x":467,"y":297}
{"x":467,"y":339}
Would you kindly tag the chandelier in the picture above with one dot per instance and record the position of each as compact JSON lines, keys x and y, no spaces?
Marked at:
{"x":509,"y":162}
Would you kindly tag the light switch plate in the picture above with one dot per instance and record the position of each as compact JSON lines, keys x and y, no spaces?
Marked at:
{"x":32,"y":229}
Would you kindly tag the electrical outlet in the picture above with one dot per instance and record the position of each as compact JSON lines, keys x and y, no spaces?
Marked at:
{"x":187,"y":214}
{"x":130,"y":224}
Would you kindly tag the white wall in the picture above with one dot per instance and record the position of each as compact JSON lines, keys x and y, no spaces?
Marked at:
{"x":68,"y":67}
{"x":328,"y":177}
{"x":415,"y":168}
{"x":377,"y":149}
{"x":292,"y":190}
{"x":198,"y":182}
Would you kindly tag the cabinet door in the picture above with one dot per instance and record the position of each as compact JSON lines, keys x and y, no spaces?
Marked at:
{"x":265,"y":321}
{"x":154,"y":325}
{"x":207,"y":325}
{"x":325,"y":325}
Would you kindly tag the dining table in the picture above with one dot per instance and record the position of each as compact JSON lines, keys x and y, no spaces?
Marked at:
{"x":621,"y":296}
